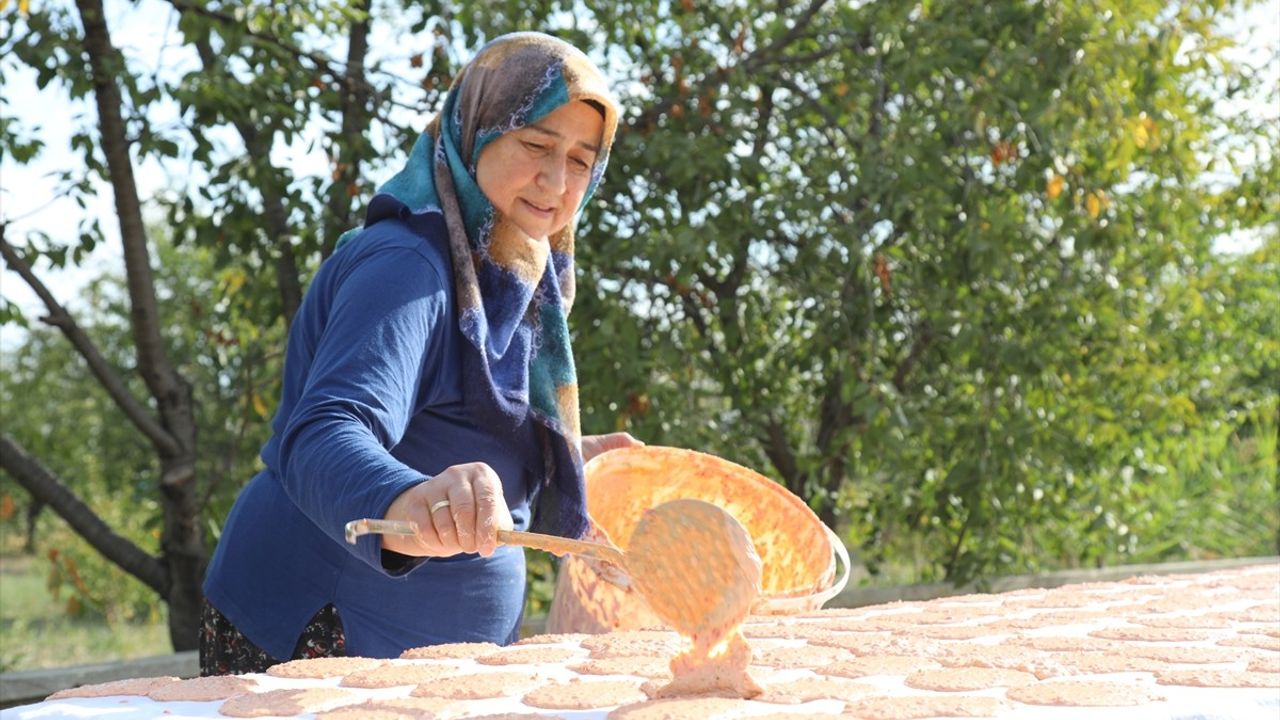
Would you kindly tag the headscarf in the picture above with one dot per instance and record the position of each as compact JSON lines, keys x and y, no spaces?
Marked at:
{"x":513,"y":296}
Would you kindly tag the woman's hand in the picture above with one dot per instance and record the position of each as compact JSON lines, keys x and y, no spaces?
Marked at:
{"x":458,"y":511}
{"x":593,"y":445}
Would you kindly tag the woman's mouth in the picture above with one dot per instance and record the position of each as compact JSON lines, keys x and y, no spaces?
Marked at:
{"x":539,"y":210}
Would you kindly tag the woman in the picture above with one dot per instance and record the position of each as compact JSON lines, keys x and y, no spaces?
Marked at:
{"x":428,"y":378}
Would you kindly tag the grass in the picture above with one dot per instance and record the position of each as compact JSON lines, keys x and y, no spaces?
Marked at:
{"x":36,"y":631}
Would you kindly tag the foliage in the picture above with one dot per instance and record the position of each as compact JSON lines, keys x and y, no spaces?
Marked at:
{"x":40,"y":634}
{"x":945,"y":270}
{"x":234,"y":363}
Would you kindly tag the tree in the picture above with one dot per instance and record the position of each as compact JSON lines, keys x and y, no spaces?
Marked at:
{"x":170,"y":428}
{"x":926,"y":264}
{"x":86,"y":61}
{"x":914,"y":258}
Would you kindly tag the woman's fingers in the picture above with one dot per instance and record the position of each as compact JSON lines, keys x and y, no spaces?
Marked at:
{"x":593,"y":445}
{"x":458,"y":511}
{"x":428,"y":540}
{"x":491,"y":512}
{"x":460,"y":515}
{"x":440,"y":519}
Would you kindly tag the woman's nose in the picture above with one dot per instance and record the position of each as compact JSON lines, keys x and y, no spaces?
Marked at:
{"x":553,"y":172}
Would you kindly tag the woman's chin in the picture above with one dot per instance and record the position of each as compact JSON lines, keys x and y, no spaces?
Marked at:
{"x":537,"y":231}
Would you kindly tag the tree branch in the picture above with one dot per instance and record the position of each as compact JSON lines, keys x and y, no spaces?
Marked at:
{"x":323,"y":64}
{"x":354,"y":101}
{"x":774,"y":441}
{"x":752,"y":65}
{"x":797,"y":29}
{"x":695,"y":315}
{"x":45,"y":487}
{"x":833,"y":123}
{"x":728,"y":287}
{"x":115,"y":386}
{"x":273,"y":211}
{"x":954,"y":561}
{"x":923,"y":340}
{"x":320,"y":61}
{"x":834,"y":414}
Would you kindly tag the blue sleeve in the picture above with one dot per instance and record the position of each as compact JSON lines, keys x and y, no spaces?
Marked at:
{"x":360,"y":391}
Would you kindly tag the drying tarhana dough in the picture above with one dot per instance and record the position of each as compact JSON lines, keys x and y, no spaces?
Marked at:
{"x":1219,"y":678}
{"x":803,"y":656}
{"x":1201,"y":622}
{"x":910,"y":707}
{"x":553,"y":639}
{"x":1269,"y":663}
{"x":322,"y":667}
{"x":203,"y":689}
{"x":288,"y":701}
{"x":802,"y":690}
{"x":1063,"y":643}
{"x":131,"y":686}
{"x":393,"y":675}
{"x":1151,"y":634}
{"x":578,"y":694}
{"x":630,"y":643}
{"x":1181,"y":654}
{"x":415,"y":708}
{"x":451,"y":651}
{"x":646,"y":667}
{"x":967,"y":678}
{"x":1249,"y":640}
{"x":872,"y":665}
{"x":686,"y":708}
{"x":1084,"y":693}
{"x":531,"y":655}
{"x":481,"y":685}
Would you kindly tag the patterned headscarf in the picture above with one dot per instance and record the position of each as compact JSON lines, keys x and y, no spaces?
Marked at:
{"x":513,"y":291}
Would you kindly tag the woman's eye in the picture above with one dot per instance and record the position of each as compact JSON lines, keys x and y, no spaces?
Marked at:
{"x":533,"y":146}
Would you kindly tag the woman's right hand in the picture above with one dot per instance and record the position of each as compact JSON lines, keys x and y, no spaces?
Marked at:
{"x":459,"y":510}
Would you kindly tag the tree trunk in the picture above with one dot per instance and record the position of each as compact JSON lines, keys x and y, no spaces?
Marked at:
{"x":183,"y":552}
{"x":32,"y":516}
{"x":183,"y":549}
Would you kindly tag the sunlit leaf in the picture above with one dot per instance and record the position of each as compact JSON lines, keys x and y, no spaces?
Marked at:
{"x":1053,"y":188}
{"x":260,"y":406}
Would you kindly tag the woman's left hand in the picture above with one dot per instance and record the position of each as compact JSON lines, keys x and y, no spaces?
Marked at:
{"x":593,"y":445}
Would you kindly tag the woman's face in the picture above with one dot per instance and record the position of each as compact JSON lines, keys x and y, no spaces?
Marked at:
{"x":536,"y":175}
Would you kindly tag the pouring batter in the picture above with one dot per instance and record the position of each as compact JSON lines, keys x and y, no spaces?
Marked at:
{"x":698,"y":569}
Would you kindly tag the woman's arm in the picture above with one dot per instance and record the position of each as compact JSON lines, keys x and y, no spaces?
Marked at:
{"x":360,"y":366}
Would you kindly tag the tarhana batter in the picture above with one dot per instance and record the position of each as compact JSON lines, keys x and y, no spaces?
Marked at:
{"x":698,"y":569}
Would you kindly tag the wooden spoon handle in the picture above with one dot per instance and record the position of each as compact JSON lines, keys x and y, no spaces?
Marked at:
{"x":538,"y":541}
{"x":559,"y":546}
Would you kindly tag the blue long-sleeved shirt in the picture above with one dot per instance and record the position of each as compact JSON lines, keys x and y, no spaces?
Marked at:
{"x":371,"y":405}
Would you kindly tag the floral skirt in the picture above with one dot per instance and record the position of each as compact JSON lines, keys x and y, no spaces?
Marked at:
{"x":224,"y":650}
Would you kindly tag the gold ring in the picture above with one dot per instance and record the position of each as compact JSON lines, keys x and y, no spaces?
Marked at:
{"x":438,"y":504}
